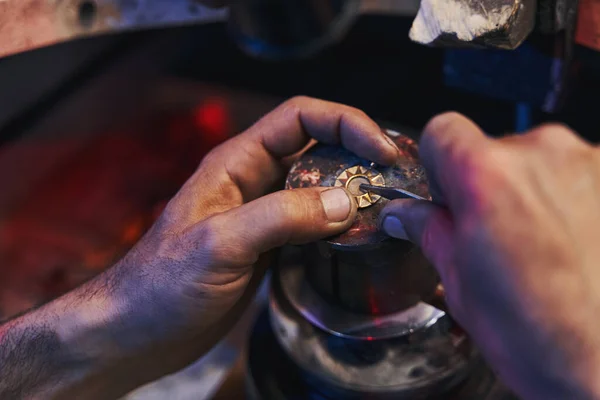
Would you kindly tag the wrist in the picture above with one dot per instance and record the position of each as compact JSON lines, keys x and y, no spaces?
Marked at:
{"x":114,"y":337}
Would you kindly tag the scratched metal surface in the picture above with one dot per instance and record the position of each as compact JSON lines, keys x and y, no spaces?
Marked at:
{"x":323,"y":163}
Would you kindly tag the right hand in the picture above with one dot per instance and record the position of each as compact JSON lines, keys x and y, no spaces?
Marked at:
{"x":514,"y":231}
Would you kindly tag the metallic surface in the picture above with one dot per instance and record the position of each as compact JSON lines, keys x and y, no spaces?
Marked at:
{"x":321,"y":165}
{"x":272,"y":375}
{"x":353,"y":179}
{"x":363,"y":270}
{"x":380,"y":280}
{"x":429,"y":362}
{"x":340,"y":322}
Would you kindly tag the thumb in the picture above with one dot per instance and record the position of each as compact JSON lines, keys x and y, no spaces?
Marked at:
{"x":294,"y":216}
{"x":238,"y":236}
{"x":427,"y":225}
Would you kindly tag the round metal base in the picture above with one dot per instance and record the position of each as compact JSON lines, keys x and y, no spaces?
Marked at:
{"x":272,"y":375}
{"x":291,"y":276}
{"x":417,"y":365}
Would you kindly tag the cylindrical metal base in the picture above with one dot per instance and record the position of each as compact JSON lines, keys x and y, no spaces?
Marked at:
{"x":349,"y":316}
{"x":272,"y":375}
{"x":293,"y":278}
{"x":376,"y":281}
{"x":363,"y":270}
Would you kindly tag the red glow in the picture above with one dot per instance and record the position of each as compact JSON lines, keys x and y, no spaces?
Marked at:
{"x":212,"y":118}
{"x":373,"y":301}
{"x":94,"y":201}
{"x":369,"y":338}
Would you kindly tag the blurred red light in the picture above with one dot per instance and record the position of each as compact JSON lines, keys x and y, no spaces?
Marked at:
{"x":212,"y":118}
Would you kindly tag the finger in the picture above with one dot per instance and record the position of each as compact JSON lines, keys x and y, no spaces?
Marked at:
{"x":452,"y":150}
{"x":427,"y":225}
{"x":234,"y":239}
{"x":251,"y":162}
{"x":430,"y":227}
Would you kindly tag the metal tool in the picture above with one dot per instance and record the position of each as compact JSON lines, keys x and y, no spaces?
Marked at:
{"x":390,"y":192}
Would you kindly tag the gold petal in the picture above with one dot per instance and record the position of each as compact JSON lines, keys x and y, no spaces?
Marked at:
{"x":377,"y":180}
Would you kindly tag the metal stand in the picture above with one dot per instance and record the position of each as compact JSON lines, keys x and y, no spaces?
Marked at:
{"x":291,"y":358}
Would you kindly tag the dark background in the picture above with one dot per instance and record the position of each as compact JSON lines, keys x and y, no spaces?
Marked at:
{"x":375,"y":68}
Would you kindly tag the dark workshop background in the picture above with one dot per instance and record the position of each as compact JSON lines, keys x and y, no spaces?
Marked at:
{"x":375,"y":68}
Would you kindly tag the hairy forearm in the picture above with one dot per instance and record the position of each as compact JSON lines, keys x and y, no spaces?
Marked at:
{"x":41,"y":352}
{"x":30,"y":356}
{"x":99,"y":341}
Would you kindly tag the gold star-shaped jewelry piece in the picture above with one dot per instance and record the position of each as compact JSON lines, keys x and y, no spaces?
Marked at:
{"x":351,"y":178}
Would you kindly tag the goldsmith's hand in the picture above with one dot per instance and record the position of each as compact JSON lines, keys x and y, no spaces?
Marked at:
{"x":185,"y":283}
{"x":200,"y":254}
{"x":516,"y":246}
{"x":190,"y":274}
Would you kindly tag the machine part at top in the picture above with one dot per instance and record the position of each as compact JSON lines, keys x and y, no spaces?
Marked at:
{"x":322,"y":164}
{"x":351,"y":179}
{"x":29,"y":24}
{"x":503,"y":24}
{"x":276,"y":29}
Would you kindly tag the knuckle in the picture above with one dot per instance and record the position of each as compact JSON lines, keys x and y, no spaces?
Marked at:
{"x":174,"y":216}
{"x":170,"y":215}
{"x":295,"y":103}
{"x":442,"y":123}
{"x":299,"y":99}
{"x":290,"y":108}
{"x":217,"y":251}
{"x":558,"y":145}
{"x":210,"y":239}
{"x":211,"y":158}
{"x":357,"y":112}
{"x":553,"y":135}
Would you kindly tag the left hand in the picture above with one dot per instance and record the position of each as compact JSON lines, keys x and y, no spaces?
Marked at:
{"x":213,"y":231}
{"x":181,"y":288}
{"x":187,"y":281}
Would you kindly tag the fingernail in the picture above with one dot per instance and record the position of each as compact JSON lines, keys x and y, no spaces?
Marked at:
{"x":336,"y":204}
{"x":393,"y":227}
{"x":389,"y":140}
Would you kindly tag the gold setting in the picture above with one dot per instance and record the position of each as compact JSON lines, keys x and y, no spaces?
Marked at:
{"x":352,"y":177}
